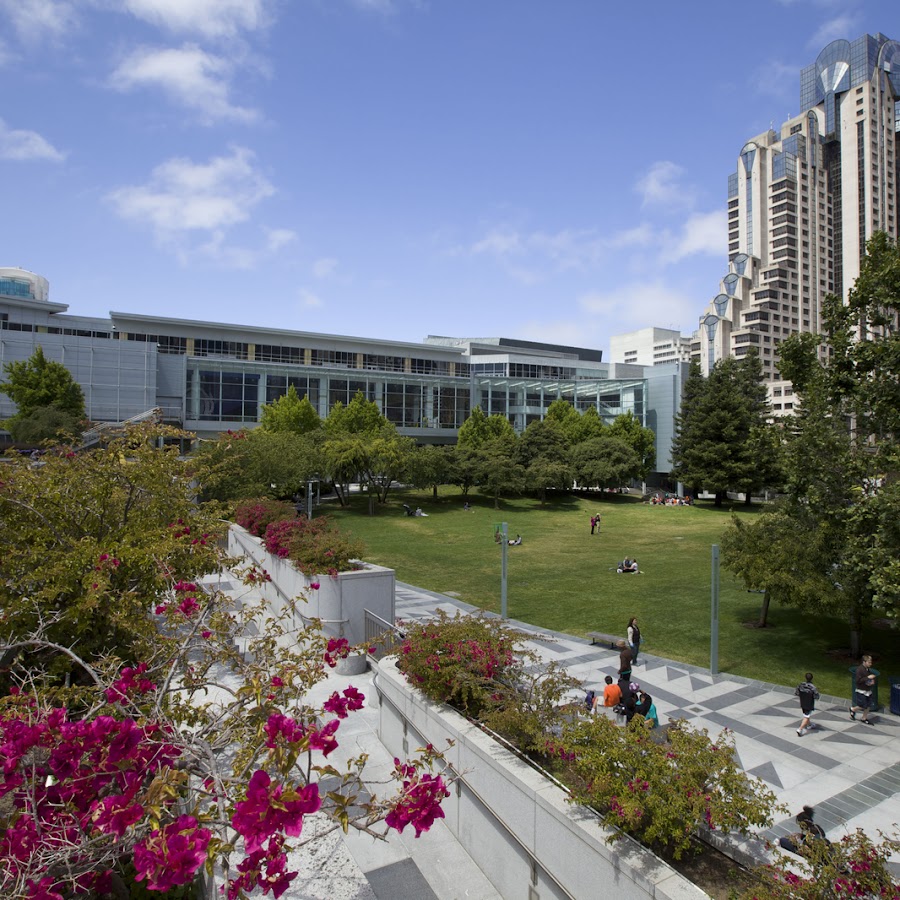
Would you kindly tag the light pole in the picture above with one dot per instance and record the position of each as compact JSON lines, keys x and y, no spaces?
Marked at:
{"x":504,"y":550}
{"x":714,"y":613}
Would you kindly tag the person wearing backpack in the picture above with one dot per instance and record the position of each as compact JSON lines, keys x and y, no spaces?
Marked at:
{"x":808,"y":695}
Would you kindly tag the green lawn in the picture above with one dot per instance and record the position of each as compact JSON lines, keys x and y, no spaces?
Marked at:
{"x":563,"y":578}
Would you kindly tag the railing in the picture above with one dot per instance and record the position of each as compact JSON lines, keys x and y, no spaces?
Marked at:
{"x":381,"y":635}
{"x":93,"y":435}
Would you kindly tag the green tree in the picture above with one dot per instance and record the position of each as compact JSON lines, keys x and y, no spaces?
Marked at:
{"x":43,"y":424}
{"x":642,"y":440}
{"x":430,"y":466}
{"x":48,"y":400}
{"x":544,"y":452}
{"x":258,"y":463}
{"x":90,"y":540}
{"x":718,"y":429}
{"x":290,"y":413}
{"x":480,"y":431}
{"x":842,"y":456}
{"x":780,"y":553}
{"x":359,"y":416}
{"x":605,"y":461}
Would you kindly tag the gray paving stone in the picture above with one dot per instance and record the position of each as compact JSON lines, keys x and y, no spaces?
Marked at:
{"x":400,"y":881}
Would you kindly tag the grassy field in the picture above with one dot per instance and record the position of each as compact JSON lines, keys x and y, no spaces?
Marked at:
{"x":563,"y":578}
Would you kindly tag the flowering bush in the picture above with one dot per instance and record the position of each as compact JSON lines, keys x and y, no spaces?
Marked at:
{"x":193,"y":745}
{"x":854,"y":866}
{"x":662,"y":793}
{"x":479,"y":665}
{"x":313,"y":546}
{"x":256,"y":515}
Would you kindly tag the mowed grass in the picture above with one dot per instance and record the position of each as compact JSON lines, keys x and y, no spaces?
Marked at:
{"x":563,"y":578}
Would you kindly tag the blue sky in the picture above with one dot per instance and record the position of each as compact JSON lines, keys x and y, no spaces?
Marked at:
{"x":543,"y":169}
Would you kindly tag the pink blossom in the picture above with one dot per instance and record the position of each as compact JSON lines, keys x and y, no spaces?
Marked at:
{"x":171,"y":856}
{"x":269,"y":809}
{"x":419,"y":805}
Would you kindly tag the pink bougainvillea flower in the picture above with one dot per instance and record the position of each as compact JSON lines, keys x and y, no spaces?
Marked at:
{"x":270,"y":809}
{"x":171,"y":856}
{"x":419,"y":805}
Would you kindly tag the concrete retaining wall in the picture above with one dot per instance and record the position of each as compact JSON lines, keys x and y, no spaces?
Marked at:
{"x":339,"y":602}
{"x":515,"y":823}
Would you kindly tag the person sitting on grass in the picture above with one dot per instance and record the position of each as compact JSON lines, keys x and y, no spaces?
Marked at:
{"x":516,"y":542}
{"x":629,"y":566}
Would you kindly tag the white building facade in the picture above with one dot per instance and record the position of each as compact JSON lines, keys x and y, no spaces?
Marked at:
{"x":650,"y":347}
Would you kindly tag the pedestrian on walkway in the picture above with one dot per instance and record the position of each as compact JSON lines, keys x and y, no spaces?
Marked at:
{"x":625,"y":660}
{"x":808,"y":695}
{"x":633,"y":637}
{"x":864,"y":682}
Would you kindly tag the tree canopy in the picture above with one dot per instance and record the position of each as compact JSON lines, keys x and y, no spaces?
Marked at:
{"x":48,"y":400}
{"x":719,"y":443}
{"x":843,"y":454}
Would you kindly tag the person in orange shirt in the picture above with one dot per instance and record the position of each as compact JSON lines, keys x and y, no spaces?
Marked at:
{"x":612,"y":694}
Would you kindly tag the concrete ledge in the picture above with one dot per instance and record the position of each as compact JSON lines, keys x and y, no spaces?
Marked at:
{"x":340,"y":602}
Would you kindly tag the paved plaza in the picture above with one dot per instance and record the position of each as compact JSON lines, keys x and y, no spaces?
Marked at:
{"x":849,"y":772}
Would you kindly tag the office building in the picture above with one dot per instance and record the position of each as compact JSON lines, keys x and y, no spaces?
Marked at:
{"x":650,"y":347}
{"x":208,"y":377}
{"x":802,"y":204}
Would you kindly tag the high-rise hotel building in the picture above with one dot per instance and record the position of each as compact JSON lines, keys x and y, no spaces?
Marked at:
{"x":802,"y":204}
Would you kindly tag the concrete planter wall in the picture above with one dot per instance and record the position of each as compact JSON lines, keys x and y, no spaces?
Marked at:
{"x":339,"y":602}
{"x":516,"y":824}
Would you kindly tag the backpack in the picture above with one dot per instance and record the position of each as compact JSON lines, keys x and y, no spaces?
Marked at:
{"x":807,"y":696}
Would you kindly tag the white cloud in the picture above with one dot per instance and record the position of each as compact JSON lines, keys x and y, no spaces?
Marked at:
{"x":37,"y":19}
{"x":640,"y":304}
{"x":662,"y":186}
{"x":6,"y":55}
{"x":775,"y":79}
{"x":20,"y":145}
{"x":309,"y":299}
{"x":190,"y":76}
{"x":207,"y":18}
{"x":843,"y":26}
{"x":385,"y":7}
{"x":277,"y":238}
{"x":183,"y":196}
{"x":325,"y":267}
{"x":702,"y":233}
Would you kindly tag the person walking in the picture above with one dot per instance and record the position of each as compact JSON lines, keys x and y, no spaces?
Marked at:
{"x":808,"y":695}
{"x":593,"y":523}
{"x":633,"y":637}
{"x":864,"y":682}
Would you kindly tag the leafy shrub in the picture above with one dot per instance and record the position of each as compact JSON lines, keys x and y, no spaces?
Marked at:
{"x":313,"y":546}
{"x":478,"y":665}
{"x":662,"y":793}
{"x":257,"y":514}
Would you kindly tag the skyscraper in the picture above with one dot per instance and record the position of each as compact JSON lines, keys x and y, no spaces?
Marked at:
{"x":804,"y":201}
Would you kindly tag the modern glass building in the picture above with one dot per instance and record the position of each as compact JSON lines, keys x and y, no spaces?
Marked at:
{"x":802,"y":204}
{"x":209,"y":376}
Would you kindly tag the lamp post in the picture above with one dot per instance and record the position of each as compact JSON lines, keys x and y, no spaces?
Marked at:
{"x":714,"y":613}
{"x":504,"y":550}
